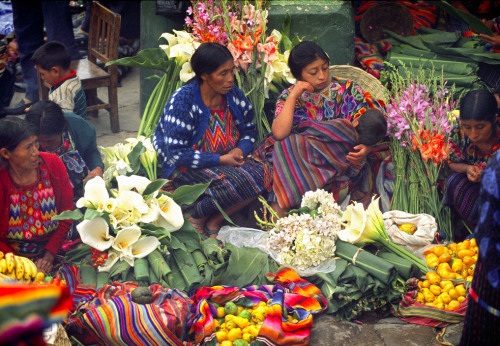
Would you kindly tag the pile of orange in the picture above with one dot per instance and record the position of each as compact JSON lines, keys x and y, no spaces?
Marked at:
{"x":451,"y":268}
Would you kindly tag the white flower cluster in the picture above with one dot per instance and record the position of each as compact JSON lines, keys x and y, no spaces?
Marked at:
{"x":321,"y":201}
{"x":304,"y":241}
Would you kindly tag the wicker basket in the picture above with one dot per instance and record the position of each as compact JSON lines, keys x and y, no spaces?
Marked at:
{"x":365,"y":80}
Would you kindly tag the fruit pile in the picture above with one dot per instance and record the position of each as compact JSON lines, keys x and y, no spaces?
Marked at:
{"x":237,"y":325}
{"x":451,"y":267}
{"x":18,"y":268}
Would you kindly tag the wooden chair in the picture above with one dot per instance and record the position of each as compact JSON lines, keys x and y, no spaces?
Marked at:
{"x":104,"y":36}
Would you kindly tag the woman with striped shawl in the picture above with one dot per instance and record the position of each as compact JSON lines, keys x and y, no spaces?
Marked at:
{"x":472,"y":144}
{"x":314,"y":143}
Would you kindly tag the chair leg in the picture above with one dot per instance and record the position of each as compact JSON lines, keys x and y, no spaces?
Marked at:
{"x":113,"y":102}
{"x":91,"y":96}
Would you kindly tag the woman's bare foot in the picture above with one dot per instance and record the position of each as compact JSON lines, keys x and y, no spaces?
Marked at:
{"x":198,"y":224}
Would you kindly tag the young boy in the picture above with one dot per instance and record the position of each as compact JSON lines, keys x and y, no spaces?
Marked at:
{"x":53,"y":61}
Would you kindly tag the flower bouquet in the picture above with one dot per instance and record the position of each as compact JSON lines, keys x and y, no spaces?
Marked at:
{"x":122,"y":226}
{"x":306,"y":237}
{"x":419,"y":122}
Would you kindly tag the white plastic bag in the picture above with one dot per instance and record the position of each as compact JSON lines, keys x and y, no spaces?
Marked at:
{"x":256,"y":238}
{"x":423,"y":236}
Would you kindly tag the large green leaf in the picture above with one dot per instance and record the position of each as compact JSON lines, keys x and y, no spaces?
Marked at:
{"x":469,"y":19}
{"x":153,"y":58}
{"x":189,"y":237}
{"x":188,"y":194}
{"x":154,"y":186}
{"x":244,"y":266}
{"x":69,"y":215}
{"x":92,"y":213}
{"x":133,"y":157}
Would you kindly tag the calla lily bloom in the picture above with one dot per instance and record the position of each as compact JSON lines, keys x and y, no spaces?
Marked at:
{"x":95,"y":233}
{"x":144,"y":246}
{"x":354,"y":221}
{"x":130,"y":200}
{"x":153,"y":213}
{"x":95,"y":196}
{"x":113,"y":257}
{"x":132,"y":182}
{"x":186,"y":72}
{"x":125,"y":238}
{"x":171,"y":217}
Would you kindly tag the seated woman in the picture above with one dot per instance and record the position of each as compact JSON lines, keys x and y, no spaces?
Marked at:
{"x":71,"y":138}
{"x":204,"y":135}
{"x":311,"y":161}
{"x":472,"y":144}
{"x":34,"y":187}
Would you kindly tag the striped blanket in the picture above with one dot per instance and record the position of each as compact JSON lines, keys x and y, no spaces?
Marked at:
{"x":312,"y":157}
{"x":26,"y":310}
{"x":296,"y":295}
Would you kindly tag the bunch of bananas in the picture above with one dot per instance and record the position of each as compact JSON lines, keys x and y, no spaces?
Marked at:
{"x":19,"y":268}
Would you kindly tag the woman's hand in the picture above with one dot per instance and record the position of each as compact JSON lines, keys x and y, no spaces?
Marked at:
{"x":96,"y":172}
{"x":494,"y":40}
{"x":234,"y":158}
{"x":356,"y":157}
{"x":474,"y":173}
{"x":299,"y":88}
{"x":45,"y":263}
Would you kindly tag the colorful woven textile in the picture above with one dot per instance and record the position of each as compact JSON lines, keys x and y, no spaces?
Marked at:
{"x":411,"y":311}
{"x":228,"y":185}
{"x":113,"y":318}
{"x":26,"y":310}
{"x":31,"y":211}
{"x":463,"y":195}
{"x":369,"y":55}
{"x":275,"y":330}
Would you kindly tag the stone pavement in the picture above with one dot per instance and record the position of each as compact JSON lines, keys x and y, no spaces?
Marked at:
{"x":371,"y":329}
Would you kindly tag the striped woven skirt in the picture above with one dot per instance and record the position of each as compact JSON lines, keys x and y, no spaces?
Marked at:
{"x":462,"y":195}
{"x":481,"y":326}
{"x":229,"y":185}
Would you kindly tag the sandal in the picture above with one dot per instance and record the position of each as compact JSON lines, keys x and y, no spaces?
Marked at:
{"x":208,"y":232}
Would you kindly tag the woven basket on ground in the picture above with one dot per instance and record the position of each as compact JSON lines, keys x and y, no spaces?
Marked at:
{"x":365,"y":80}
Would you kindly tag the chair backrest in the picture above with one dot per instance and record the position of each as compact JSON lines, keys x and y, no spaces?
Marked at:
{"x":104,"y":34}
{"x":366,"y":81}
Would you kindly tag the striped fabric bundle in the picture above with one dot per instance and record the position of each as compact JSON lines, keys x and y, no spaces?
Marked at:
{"x":26,"y":310}
{"x":113,"y":318}
{"x":411,"y":311}
{"x":301,"y":298}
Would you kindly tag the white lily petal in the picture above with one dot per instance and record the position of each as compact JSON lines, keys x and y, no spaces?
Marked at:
{"x":171,"y":217}
{"x":172,"y":39}
{"x":96,"y":192}
{"x":128,"y":200}
{"x":125,"y":238}
{"x":113,"y":257}
{"x":122,"y":167}
{"x":95,"y":233}
{"x":356,"y":218}
{"x":110,"y":205}
{"x":129,"y":259}
{"x":144,"y":246}
{"x":132,"y":182}
{"x":186,"y":72}
{"x":153,"y":213}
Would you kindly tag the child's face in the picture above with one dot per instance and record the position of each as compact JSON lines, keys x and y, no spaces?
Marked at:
{"x":51,"y":76}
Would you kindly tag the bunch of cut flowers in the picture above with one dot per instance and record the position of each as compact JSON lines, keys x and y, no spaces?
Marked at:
{"x":419,"y":121}
{"x":306,"y":237}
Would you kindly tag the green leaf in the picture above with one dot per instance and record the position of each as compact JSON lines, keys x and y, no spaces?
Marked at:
{"x":189,"y":237}
{"x":285,"y":26}
{"x":188,"y":194}
{"x":118,"y":268}
{"x":157,"y":231}
{"x":69,"y":215}
{"x":226,"y":217}
{"x":287,"y":43}
{"x":133,"y":157}
{"x":469,"y":19}
{"x":92,"y":213}
{"x":154,"y":186}
{"x":153,"y":58}
{"x":176,"y":244}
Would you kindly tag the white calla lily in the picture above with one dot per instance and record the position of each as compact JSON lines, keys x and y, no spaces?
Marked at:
{"x":113,"y":257}
{"x":153,"y":213}
{"x":354,"y":220}
{"x":130,"y":200}
{"x":125,"y":238}
{"x":184,"y":37}
{"x":110,"y":205}
{"x":128,"y":183}
{"x":144,"y":246}
{"x":171,"y":217}
{"x":95,"y":195}
{"x":123,"y":167}
{"x":95,"y":233}
{"x":171,"y":38}
{"x":182,"y":52}
{"x":186,"y":72}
